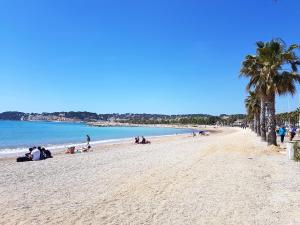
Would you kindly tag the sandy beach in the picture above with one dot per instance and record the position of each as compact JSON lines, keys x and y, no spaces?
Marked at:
{"x":227,"y":178}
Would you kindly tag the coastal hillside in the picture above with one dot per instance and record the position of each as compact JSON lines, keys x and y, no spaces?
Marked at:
{"x":123,"y":118}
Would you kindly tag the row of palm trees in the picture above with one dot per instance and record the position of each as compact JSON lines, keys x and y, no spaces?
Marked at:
{"x":271,"y":72}
{"x":291,"y":117}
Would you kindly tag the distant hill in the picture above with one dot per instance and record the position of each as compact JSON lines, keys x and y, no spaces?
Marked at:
{"x":123,"y":118}
{"x":12,"y":115}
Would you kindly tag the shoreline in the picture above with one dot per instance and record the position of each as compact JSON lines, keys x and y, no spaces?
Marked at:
{"x":118,"y":124}
{"x":56,"y":149}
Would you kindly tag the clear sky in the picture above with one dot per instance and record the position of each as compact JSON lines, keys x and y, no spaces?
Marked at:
{"x":152,"y":56}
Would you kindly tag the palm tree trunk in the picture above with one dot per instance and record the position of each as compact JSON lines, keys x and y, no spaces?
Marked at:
{"x":255,"y":124}
{"x":263,"y":120}
{"x":272,"y":139}
{"x":258,"y":125}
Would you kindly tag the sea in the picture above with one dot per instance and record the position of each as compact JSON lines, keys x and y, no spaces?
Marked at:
{"x":17,"y":136}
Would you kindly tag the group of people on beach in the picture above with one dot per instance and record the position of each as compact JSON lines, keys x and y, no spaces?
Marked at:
{"x":40,"y":153}
{"x":201,"y":132}
{"x":73,"y":150}
{"x":244,"y":126}
{"x":282,"y":132}
{"x":35,"y":154}
{"x":143,"y":141}
{"x":88,"y":148}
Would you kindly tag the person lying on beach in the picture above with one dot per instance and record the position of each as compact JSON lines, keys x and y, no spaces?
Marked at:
{"x":73,"y":150}
{"x":87,"y":149}
{"x":144,"y":141}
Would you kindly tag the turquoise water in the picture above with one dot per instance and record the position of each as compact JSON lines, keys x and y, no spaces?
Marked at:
{"x":16,"y":136}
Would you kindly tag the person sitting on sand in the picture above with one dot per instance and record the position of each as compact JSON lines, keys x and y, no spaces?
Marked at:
{"x":48,"y":153}
{"x":45,"y":154}
{"x":70,"y":150}
{"x":35,"y":154}
{"x":27,"y":156}
{"x":144,"y":141}
{"x":137,"y":140}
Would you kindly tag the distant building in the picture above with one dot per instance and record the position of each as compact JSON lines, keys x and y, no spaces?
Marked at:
{"x":238,"y":123}
{"x":225,"y":117}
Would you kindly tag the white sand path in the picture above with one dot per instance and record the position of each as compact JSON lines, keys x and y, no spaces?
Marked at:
{"x":227,"y":178}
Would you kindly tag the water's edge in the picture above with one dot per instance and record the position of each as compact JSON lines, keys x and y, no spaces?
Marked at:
{"x":54,"y":147}
{"x":59,"y":148}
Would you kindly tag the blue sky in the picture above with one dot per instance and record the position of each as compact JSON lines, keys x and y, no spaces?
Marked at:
{"x":152,"y":56}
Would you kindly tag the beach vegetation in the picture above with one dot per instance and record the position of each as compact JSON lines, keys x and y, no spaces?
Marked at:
{"x":272,"y":71}
{"x":252,"y":103}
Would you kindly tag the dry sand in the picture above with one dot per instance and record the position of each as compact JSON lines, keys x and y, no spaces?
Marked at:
{"x":226,"y":178}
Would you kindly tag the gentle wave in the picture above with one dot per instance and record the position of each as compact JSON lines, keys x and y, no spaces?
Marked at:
{"x":17,"y":136}
{"x":20,"y":151}
{"x":9,"y":152}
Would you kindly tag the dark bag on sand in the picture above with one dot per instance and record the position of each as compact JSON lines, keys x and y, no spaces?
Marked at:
{"x":45,"y":154}
{"x":48,"y":154}
{"x":23,"y":159}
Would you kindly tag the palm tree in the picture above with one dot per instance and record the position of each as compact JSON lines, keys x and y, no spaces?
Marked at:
{"x":249,"y":120}
{"x":278,"y":76}
{"x":251,"y":67}
{"x":252,"y":103}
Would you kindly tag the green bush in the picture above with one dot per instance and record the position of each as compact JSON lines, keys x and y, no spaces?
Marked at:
{"x":297,"y":152}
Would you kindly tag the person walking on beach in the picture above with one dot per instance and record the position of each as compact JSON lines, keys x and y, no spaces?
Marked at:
{"x":282,"y":133}
{"x":293,"y":132}
{"x":88,"y":139}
